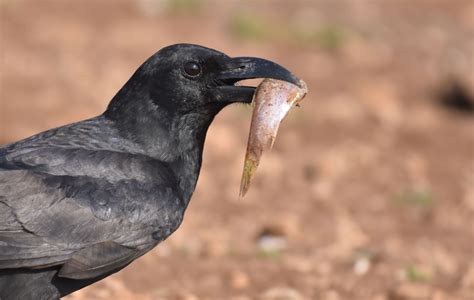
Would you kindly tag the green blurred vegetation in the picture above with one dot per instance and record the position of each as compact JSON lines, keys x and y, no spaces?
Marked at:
{"x":251,"y":26}
{"x":419,"y":198}
{"x":413,"y":273}
{"x":270,"y":253}
{"x":328,"y":37}
{"x":248,"y":26}
{"x":183,"y":6}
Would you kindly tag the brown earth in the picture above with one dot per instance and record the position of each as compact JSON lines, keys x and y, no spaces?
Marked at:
{"x":369,"y":190}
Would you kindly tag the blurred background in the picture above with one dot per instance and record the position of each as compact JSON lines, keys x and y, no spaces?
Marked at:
{"x":369,"y":190}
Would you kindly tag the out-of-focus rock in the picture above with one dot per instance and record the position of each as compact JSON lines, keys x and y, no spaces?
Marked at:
{"x":343,"y":108}
{"x":163,"y":251}
{"x":382,"y":101}
{"x":112,"y":288}
{"x":468,"y":15}
{"x":380,"y":297}
{"x":286,"y":224}
{"x":362,"y":52}
{"x":417,"y":169}
{"x":439,"y":295}
{"x":299,"y":263}
{"x":185,"y":295}
{"x":186,"y":245}
{"x":445,"y":261}
{"x":324,"y":268}
{"x":330,"y":295}
{"x":468,"y":187}
{"x":409,"y":290}
{"x":215,"y":248}
{"x":240,"y":298}
{"x":318,"y":283}
{"x":349,"y":235}
{"x":239,"y":280}
{"x":271,"y":239}
{"x":363,"y":259}
{"x":323,"y":189}
{"x":468,"y":278}
{"x":272,"y":167}
{"x":271,"y":243}
{"x":362,"y":265}
{"x":118,"y":290}
{"x":457,"y":97}
{"x":282,"y":293}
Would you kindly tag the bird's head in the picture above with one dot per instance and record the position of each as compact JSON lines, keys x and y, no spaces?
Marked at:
{"x":186,"y":78}
{"x":170,"y":101}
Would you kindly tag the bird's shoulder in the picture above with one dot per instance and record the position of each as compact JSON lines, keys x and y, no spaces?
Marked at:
{"x":92,"y":148}
{"x":112,"y":185}
{"x":98,"y":133}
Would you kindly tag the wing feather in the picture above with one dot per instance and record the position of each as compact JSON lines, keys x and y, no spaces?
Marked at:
{"x":87,"y":224}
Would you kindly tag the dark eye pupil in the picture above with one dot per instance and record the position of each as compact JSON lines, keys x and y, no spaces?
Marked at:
{"x":192,"y":69}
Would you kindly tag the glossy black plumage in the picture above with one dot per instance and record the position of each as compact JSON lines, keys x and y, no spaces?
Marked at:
{"x":80,"y":202}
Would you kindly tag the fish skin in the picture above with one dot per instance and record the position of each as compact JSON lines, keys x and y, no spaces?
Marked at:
{"x":272,"y":101}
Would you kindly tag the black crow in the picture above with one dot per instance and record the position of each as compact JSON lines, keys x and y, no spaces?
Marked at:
{"x":82,"y":201}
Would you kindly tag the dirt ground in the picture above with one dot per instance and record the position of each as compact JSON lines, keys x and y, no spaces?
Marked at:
{"x":369,"y":190}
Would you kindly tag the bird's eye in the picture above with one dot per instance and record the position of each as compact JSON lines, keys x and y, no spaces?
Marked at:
{"x":192,"y":69}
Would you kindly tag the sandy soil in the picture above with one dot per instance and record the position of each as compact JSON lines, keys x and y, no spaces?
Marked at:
{"x":369,"y":190}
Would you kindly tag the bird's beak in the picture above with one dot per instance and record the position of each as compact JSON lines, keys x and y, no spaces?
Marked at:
{"x":241,"y":68}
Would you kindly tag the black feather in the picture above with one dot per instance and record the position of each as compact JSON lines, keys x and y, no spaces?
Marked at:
{"x":80,"y":202}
